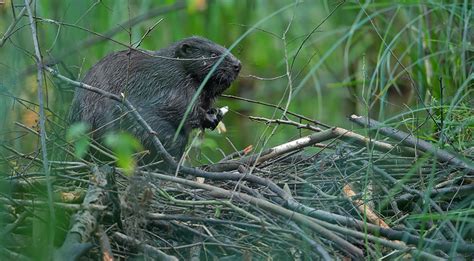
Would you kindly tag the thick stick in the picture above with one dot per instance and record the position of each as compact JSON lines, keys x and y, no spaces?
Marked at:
{"x":414,"y":142}
{"x":85,"y":221}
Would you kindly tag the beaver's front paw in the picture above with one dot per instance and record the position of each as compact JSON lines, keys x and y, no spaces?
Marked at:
{"x":211,"y":119}
{"x":213,"y":116}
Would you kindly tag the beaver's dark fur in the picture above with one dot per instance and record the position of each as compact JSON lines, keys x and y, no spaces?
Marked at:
{"x":160,"y":85}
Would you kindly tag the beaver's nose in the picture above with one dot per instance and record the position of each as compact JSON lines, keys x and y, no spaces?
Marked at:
{"x":237,"y":67}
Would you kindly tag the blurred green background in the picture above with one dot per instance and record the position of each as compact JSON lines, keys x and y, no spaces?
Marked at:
{"x":392,"y":60}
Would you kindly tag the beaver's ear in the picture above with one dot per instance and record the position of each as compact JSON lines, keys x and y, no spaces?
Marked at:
{"x":184,"y":50}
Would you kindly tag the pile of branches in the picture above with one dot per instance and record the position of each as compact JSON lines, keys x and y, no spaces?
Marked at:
{"x":355,"y":197}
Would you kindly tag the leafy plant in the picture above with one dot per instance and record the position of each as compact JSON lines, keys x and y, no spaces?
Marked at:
{"x":124,"y":145}
{"x":78,"y":136}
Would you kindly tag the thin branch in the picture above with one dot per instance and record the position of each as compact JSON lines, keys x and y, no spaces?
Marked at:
{"x":313,"y":31}
{"x":16,"y":19}
{"x":105,"y":247}
{"x":42,"y":120}
{"x":136,"y":45}
{"x":277,"y":107}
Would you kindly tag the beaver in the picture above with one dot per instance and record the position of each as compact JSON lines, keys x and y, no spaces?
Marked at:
{"x":160,"y":84}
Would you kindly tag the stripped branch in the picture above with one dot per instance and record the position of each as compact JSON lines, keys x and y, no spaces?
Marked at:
{"x":414,"y":142}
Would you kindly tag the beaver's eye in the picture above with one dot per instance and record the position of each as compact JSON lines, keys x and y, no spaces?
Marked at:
{"x":213,"y":55}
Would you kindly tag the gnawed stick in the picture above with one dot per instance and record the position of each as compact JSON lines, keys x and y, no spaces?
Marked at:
{"x":310,"y":140}
{"x":366,"y":210}
{"x":344,"y":135}
{"x":414,"y":142}
{"x":363,"y":208}
{"x":276,"y":151}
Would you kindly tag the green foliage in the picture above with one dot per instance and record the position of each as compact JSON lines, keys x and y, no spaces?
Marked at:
{"x":77,"y":135}
{"x":124,"y":145}
{"x":408,"y":64}
{"x":386,"y":58}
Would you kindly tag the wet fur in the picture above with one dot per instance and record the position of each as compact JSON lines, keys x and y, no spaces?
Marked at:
{"x":161,"y":90}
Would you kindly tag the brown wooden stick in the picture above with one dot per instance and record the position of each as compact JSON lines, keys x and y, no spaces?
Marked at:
{"x":363,"y":208}
{"x":107,"y":254}
{"x":85,"y":221}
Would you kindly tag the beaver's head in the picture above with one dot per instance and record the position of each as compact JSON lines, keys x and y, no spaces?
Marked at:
{"x":199,"y":56}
